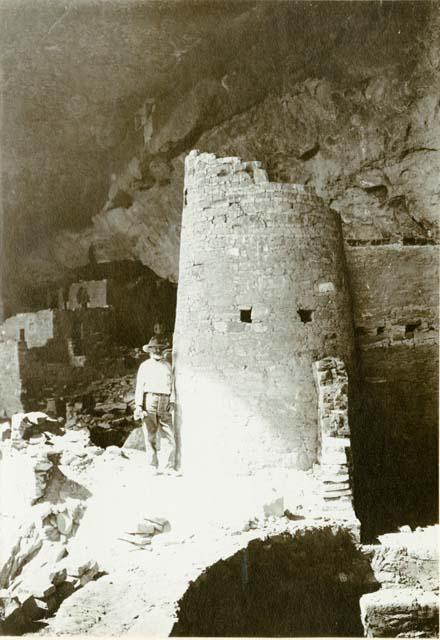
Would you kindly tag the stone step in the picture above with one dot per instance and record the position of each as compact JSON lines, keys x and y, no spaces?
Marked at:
{"x":334,"y":457}
{"x":337,"y":493}
{"x":333,"y":469}
{"x":343,"y":477}
{"x":329,"y":487}
{"x":334,"y":442}
{"x":331,"y":500}
{"x":337,"y":510}
{"x":337,"y":496}
{"x":338,"y":505}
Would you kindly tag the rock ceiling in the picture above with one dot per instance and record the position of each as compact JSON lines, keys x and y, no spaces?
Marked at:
{"x":102,"y":99}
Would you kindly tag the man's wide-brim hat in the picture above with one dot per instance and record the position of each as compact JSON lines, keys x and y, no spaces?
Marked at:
{"x":155,"y":342}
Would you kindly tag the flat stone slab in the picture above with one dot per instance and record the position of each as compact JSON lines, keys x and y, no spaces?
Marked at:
{"x":329,"y":494}
{"x":335,"y":486}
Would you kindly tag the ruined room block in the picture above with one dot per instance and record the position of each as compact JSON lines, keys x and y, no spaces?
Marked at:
{"x":88,"y":294}
{"x":35,"y":328}
{"x":262,"y":294}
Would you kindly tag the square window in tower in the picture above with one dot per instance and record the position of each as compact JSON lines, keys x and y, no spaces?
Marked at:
{"x":246,"y":315}
{"x":306,"y":315}
{"x":410,"y":328}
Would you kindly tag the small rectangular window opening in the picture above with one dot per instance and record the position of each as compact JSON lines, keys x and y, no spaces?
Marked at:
{"x":410,"y":328}
{"x":22,"y":334}
{"x":246,"y":315}
{"x":380,"y":330}
{"x":306,"y":315}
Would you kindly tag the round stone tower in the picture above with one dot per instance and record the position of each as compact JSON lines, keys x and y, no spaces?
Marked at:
{"x":262,"y":294}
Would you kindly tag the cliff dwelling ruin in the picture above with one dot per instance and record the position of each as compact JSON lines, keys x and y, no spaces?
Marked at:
{"x":249,"y":192}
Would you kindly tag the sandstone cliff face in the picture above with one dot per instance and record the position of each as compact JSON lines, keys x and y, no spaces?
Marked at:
{"x":371,"y":150}
{"x":340,"y":97}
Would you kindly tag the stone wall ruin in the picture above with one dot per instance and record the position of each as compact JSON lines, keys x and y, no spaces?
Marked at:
{"x":41,"y":353}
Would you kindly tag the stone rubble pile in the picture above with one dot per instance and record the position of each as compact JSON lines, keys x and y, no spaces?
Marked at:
{"x":32,"y":427}
{"x":40,"y":458}
{"x":42,"y":470}
{"x":27,"y":544}
{"x":36,"y":466}
{"x":146,"y":529}
{"x":40,"y":588}
{"x":75,"y":448}
{"x":106,"y":409}
{"x":61,"y":521}
{"x":41,"y":511}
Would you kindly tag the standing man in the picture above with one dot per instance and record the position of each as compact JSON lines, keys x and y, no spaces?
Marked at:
{"x":154,"y":404}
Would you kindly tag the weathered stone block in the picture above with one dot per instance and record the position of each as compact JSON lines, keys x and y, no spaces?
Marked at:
{"x":64,"y":523}
{"x":274,"y":507}
{"x":34,"y":608}
{"x":58,"y":576}
{"x":335,"y":486}
{"x":160,"y":525}
{"x":398,"y":611}
{"x":146,"y":528}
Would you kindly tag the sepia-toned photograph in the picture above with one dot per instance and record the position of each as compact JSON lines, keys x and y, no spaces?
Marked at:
{"x":219,"y":278}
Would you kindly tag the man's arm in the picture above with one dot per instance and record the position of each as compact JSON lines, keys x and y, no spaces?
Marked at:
{"x":139,"y":392}
{"x":173,"y":389}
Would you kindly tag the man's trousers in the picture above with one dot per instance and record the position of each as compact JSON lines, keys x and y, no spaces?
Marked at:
{"x":158,"y":429}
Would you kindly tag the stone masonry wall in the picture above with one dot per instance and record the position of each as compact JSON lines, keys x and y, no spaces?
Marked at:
{"x":39,"y":366}
{"x":331,"y":381}
{"x":96,"y":289}
{"x":262,"y":294}
{"x":395,"y":305}
{"x":396,"y":323}
{"x":11,"y":387}
{"x":38,"y":327}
